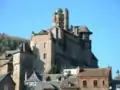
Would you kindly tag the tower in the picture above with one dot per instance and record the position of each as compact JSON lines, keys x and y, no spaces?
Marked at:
{"x":86,"y":45}
{"x":85,"y":37}
{"x":61,"y":18}
{"x":22,"y":62}
{"x":66,"y":19}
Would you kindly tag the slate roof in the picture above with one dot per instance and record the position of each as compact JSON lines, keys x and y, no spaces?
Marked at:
{"x":117,"y":77}
{"x":48,"y":85}
{"x":73,"y":80}
{"x":34,"y":77}
{"x":2,"y":77}
{"x":85,"y":29}
{"x":54,"y":77}
{"x":95,"y":72}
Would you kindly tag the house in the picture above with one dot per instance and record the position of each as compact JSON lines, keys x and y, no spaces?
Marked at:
{"x":43,"y":81}
{"x":70,"y":83}
{"x":6,"y":82}
{"x":95,"y":79}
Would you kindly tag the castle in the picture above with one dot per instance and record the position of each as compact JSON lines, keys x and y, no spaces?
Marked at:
{"x":51,"y":50}
{"x":62,"y":46}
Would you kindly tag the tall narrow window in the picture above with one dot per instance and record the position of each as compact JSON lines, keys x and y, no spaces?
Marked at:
{"x":95,"y":83}
{"x":44,"y":55}
{"x":44,"y":45}
{"x":84,"y":83}
{"x":103,"y":83}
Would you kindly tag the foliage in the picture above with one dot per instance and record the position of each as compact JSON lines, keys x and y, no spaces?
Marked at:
{"x":9,"y":43}
{"x":54,"y":69}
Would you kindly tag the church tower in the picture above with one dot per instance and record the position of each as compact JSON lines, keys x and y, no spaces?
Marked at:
{"x":61,"y":19}
{"x":22,"y":62}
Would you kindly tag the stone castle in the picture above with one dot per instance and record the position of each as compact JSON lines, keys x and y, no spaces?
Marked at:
{"x":51,"y":50}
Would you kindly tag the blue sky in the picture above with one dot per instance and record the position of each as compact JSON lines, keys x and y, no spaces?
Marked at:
{"x":21,"y":17}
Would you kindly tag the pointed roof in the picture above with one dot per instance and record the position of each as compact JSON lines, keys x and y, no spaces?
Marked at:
{"x":34,"y":77}
{"x":2,"y":77}
{"x":118,"y":75}
{"x":84,"y":29}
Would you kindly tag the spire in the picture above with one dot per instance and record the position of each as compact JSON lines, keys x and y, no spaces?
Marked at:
{"x":118,"y":72}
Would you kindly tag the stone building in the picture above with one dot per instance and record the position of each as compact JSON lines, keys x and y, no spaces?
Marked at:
{"x":50,"y":51}
{"x":95,"y":79}
{"x":39,"y":81}
{"x":63,"y":46}
{"x":17,"y":62}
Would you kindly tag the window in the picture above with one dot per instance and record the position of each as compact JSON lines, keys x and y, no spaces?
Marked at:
{"x":103,"y":83}
{"x":44,"y":45}
{"x":84,"y":83}
{"x":48,"y":78}
{"x":95,"y":83}
{"x":44,"y":56}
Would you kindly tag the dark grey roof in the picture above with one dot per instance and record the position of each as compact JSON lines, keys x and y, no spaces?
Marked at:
{"x":2,"y":77}
{"x":35,"y":77}
{"x":47,"y":85}
{"x":54,"y":77}
{"x":118,"y":86}
{"x":117,"y":77}
{"x":70,"y":80}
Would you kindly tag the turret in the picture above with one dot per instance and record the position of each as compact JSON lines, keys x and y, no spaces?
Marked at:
{"x":66,"y":19}
{"x":54,"y":19}
{"x":61,"y":19}
{"x":84,"y":35}
{"x":84,"y":32}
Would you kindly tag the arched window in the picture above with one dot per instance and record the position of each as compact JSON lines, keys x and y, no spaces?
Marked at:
{"x":84,"y":83}
{"x":95,"y":83}
{"x":103,"y":82}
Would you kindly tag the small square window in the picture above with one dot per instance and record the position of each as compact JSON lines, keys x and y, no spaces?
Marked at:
{"x":44,"y":55}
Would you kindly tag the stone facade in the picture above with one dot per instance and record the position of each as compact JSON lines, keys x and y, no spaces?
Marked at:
{"x":95,"y":79}
{"x":63,"y":46}
{"x":22,"y":62}
{"x":58,"y":47}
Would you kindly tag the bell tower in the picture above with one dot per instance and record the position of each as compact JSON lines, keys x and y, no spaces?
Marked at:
{"x":61,"y":19}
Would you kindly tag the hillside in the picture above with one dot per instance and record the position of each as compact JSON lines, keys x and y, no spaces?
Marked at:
{"x":9,"y":42}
